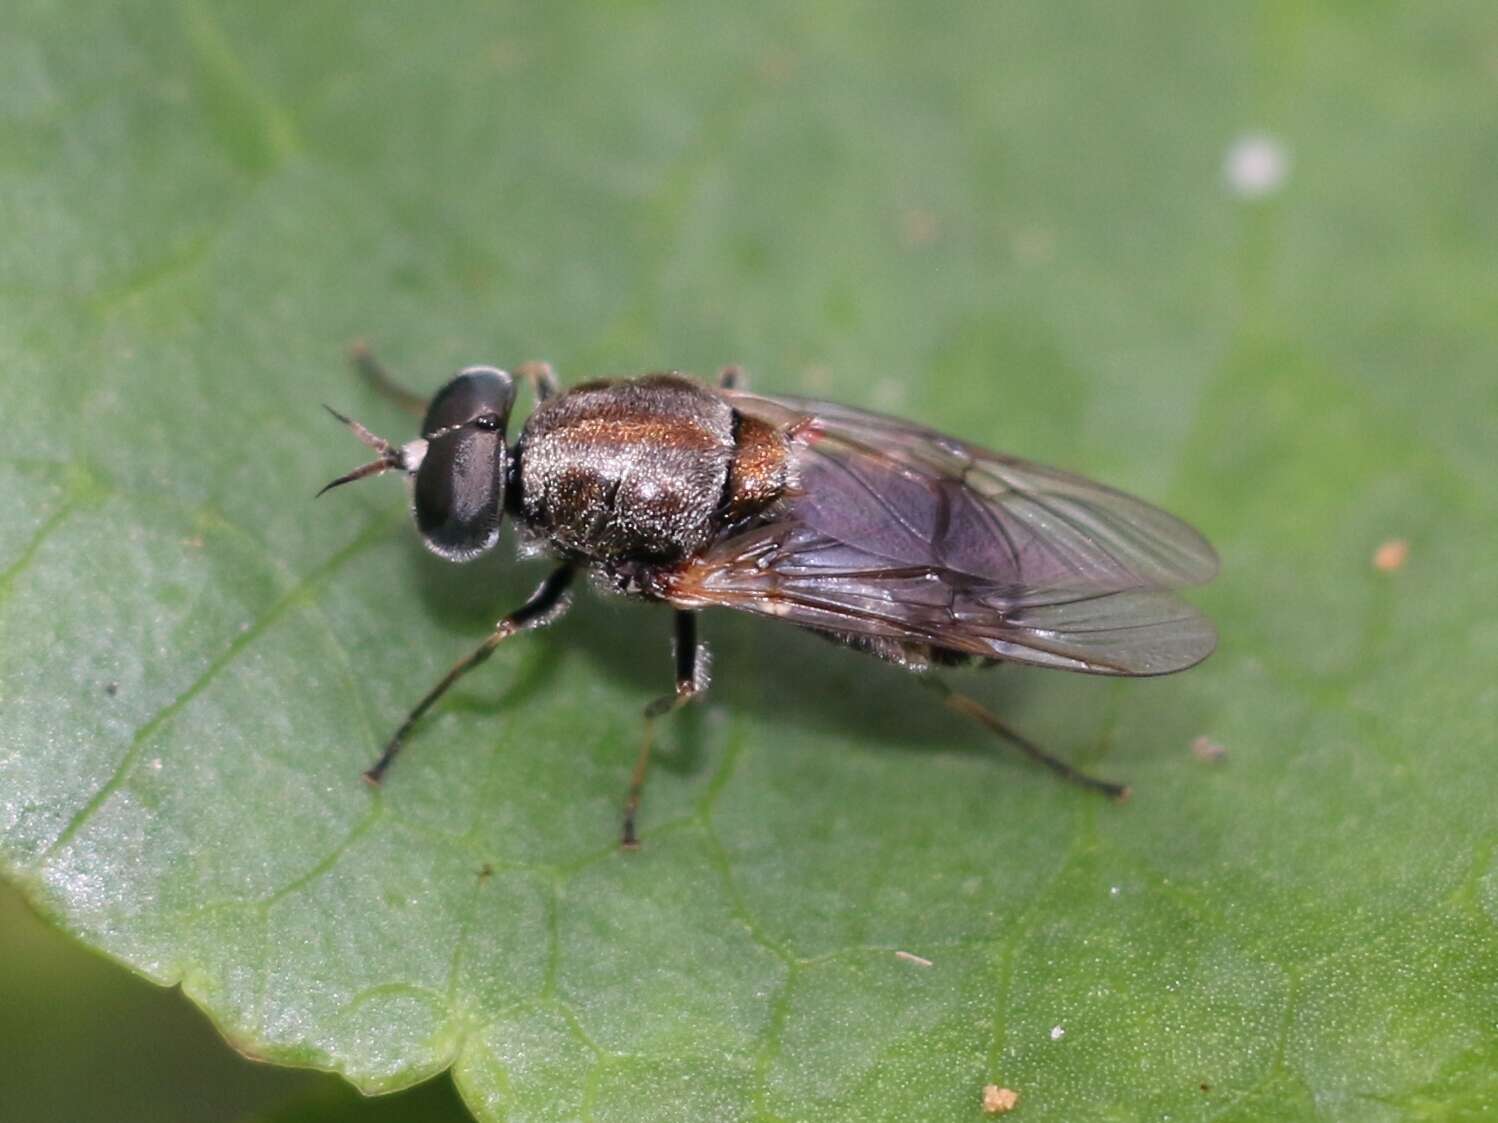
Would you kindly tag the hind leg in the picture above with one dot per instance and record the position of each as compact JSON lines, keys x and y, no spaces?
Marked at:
{"x":968,"y":707}
{"x":690,"y":682}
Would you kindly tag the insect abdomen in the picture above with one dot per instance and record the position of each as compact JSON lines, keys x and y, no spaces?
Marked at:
{"x":759,"y":472}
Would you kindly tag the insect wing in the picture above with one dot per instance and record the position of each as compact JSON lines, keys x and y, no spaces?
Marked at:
{"x":899,"y":532}
{"x":938,"y":499}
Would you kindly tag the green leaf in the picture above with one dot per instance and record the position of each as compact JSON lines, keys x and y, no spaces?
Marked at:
{"x":1010,"y":221}
{"x":432,"y":1102}
{"x":66,"y":1057}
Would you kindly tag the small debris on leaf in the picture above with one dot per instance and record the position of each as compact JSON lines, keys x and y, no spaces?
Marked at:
{"x":918,"y":227}
{"x":1057,"y":1033}
{"x":1391,"y":555}
{"x":996,"y":1100}
{"x":1034,"y":246}
{"x":911,"y":957}
{"x":1204,"y":748}
{"x":1256,"y":166}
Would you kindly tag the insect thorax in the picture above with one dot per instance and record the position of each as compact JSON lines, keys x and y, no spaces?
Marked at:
{"x":628,"y":470}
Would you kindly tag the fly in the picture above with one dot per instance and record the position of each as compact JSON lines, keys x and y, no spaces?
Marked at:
{"x":873,"y":532}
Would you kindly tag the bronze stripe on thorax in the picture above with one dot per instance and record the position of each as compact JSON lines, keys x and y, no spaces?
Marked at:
{"x":654,"y":432}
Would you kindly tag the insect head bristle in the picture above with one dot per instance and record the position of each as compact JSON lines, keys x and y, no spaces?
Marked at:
{"x":390,"y":455}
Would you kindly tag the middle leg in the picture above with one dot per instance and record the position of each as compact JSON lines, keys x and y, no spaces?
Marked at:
{"x":691,"y":680}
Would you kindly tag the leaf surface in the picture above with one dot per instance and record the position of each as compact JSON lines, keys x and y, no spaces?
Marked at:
{"x":1011,"y":222}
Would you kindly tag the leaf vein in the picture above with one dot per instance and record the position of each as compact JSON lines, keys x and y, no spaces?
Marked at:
{"x":237,"y":645}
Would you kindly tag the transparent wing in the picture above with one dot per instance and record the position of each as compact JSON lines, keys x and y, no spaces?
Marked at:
{"x":930,"y":497}
{"x":900,"y":532}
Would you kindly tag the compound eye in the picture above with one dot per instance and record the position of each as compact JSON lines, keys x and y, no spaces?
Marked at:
{"x":478,"y":395}
{"x":460,"y":486}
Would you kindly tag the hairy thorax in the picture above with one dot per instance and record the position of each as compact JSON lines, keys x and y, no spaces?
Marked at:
{"x":640,"y":471}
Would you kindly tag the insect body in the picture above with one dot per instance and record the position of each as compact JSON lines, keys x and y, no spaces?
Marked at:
{"x":873,"y":532}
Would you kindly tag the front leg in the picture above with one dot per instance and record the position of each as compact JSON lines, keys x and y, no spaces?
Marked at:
{"x":691,"y":680}
{"x":384,"y":384}
{"x":541,"y":376}
{"x":545,"y":605}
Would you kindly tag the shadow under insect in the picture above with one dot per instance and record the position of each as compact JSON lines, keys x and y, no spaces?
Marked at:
{"x":776,"y":676}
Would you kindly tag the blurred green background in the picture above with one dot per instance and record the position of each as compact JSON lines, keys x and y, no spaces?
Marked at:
{"x":83,"y":1039}
{"x":1240,"y":259}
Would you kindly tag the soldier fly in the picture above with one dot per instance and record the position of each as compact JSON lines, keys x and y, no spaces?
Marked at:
{"x":876,"y":533}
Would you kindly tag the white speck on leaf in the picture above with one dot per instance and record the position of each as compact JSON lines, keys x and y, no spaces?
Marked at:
{"x":1256,"y":166}
{"x":1057,"y":1033}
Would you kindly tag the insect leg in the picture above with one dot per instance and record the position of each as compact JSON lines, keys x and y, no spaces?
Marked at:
{"x":689,"y":683}
{"x":544,"y":606}
{"x":376,"y":375}
{"x":981,"y":714}
{"x":733,"y":378}
{"x":541,"y":376}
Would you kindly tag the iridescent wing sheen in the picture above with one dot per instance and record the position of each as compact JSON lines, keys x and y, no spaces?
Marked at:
{"x":900,"y":533}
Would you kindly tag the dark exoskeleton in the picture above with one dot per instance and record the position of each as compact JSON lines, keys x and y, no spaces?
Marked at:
{"x":871,"y":531}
